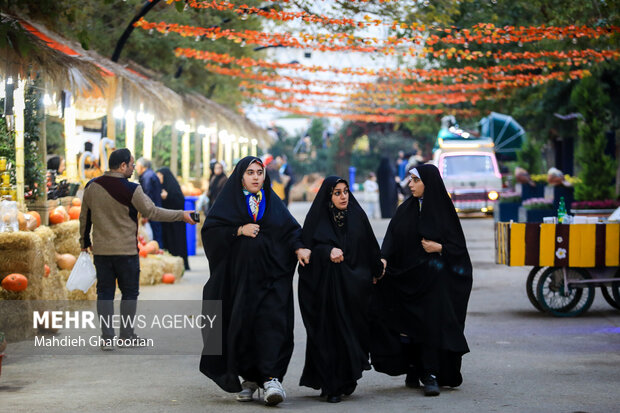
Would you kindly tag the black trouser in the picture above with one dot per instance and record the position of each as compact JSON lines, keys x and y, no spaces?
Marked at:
{"x":422,"y":358}
{"x":125,"y":269}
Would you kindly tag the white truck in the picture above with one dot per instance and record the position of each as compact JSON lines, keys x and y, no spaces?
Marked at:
{"x":470,"y":172}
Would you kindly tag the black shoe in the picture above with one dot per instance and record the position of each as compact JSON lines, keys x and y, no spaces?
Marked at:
{"x":412,"y":381}
{"x":333,"y":398}
{"x":431,"y":388}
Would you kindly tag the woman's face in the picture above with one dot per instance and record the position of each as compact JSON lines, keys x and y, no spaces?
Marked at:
{"x":254,"y":178}
{"x":218,"y":169}
{"x":417,"y":186}
{"x":340,"y":196}
{"x":161,"y":177}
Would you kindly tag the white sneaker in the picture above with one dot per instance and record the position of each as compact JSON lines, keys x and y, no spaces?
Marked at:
{"x":246,"y":395}
{"x":274,"y":393}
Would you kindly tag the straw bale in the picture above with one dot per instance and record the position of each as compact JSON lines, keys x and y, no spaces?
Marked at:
{"x":91,"y":294}
{"x":49,"y":250}
{"x":67,"y":237}
{"x":172,"y":264}
{"x":20,"y":252}
{"x":16,"y":319}
{"x":151,"y":270}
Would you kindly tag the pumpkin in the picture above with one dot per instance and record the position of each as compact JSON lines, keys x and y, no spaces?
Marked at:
{"x":65,"y":261}
{"x":58,"y":215}
{"x":36,"y":216}
{"x":143,"y":253}
{"x":151,"y":247}
{"x":74,"y":212}
{"x":195,"y":192}
{"x":47,"y":271}
{"x":76,"y":202}
{"x":31,"y":222}
{"x":168,"y":278}
{"x":15,"y":282}
{"x":21,"y":220}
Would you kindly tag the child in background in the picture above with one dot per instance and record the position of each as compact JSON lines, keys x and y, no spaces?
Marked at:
{"x":371,"y":196}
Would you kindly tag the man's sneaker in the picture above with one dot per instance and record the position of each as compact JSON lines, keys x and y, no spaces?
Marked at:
{"x":107,"y":344}
{"x":133,"y":341}
{"x":246,"y":395}
{"x":431,"y":388}
{"x":274,"y":393}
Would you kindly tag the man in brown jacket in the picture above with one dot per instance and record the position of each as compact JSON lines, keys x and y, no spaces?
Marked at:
{"x":110,"y":208}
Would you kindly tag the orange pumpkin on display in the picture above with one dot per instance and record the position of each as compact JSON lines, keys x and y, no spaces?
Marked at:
{"x":151,"y":247}
{"x":58,"y":215}
{"x":47,"y":271}
{"x":76,"y":202}
{"x":36,"y":216}
{"x":15,"y":282}
{"x":168,"y":278}
{"x":74,"y":212}
{"x":65,"y":261}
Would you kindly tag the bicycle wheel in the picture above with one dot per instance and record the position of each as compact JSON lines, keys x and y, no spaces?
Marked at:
{"x":530,"y":286}
{"x":560,"y":301}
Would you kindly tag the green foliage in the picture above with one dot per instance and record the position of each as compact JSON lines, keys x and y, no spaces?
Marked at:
{"x":529,"y":157}
{"x":598,"y":170}
{"x":34,"y":169}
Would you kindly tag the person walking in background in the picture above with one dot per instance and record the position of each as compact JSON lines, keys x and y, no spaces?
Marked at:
{"x":401,"y":165}
{"x":371,"y":196}
{"x":110,"y":208}
{"x":421,"y":303}
{"x":216,"y":183}
{"x":335,"y":290}
{"x":152,"y":188}
{"x":173,"y":233}
{"x":251,"y":241}
{"x":286,"y":170}
{"x":388,"y":195}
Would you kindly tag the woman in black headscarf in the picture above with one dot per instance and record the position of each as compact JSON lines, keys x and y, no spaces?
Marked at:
{"x":421,"y":302}
{"x":216,"y":183}
{"x":388,"y":195}
{"x":251,"y":241}
{"x":335,"y":290}
{"x":173,"y":233}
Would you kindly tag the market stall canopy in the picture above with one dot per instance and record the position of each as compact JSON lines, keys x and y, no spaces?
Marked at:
{"x":507,"y":134}
{"x":24,"y":53}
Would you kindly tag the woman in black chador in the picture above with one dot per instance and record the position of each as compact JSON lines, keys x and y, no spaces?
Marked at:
{"x":173,"y":233}
{"x":388,"y":197}
{"x":251,"y":240}
{"x":335,"y":290}
{"x":421,"y":301}
{"x":216,"y":183}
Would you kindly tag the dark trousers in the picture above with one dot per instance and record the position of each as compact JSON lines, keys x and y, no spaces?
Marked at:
{"x":126,"y":270}
{"x":158,"y":233}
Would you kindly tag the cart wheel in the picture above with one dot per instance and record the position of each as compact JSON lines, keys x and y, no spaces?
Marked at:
{"x":615,"y":292}
{"x":530,"y":286}
{"x":608,"y":294}
{"x":555,"y":300}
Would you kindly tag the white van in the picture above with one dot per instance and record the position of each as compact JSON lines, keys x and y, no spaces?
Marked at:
{"x":470,"y":172}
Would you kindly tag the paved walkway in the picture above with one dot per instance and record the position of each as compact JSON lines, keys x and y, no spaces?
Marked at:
{"x":520,"y":360}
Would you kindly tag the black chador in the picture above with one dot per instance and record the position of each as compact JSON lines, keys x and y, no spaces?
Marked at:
{"x":253,"y":278}
{"x":335,"y":297}
{"x":173,"y":233}
{"x":421,"y":302}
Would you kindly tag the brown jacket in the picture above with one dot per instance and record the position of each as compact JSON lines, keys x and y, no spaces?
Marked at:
{"x":110,"y":208}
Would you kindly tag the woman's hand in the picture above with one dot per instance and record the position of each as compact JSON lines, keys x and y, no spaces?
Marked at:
{"x":164,"y":194}
{"x":431,"y":246}
{"x":303,"y":256}
{"x":375,"y":279}
{"x":249,"y":230}
{"x":337,"y":256}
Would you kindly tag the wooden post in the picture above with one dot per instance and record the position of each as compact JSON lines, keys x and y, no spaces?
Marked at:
{"x":19,"y":105}
{"x":130,"y":132}
{"x":185,"y":144}
{"x":111,"y":100}
{"x":147,"y":142}
{"x":71,"y":147}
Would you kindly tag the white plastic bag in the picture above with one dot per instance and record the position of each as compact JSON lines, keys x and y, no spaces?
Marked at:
{"x":83,"y":274}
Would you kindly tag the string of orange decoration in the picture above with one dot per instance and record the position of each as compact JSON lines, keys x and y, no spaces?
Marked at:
{"x":378,"y":103}
{"x":375,"y":97}
{"x":392,"y":85}
{"x":317,"y":42}
{"x":479,"y":33}
{"x":409,"y":73}
{"x":378,"y":118}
